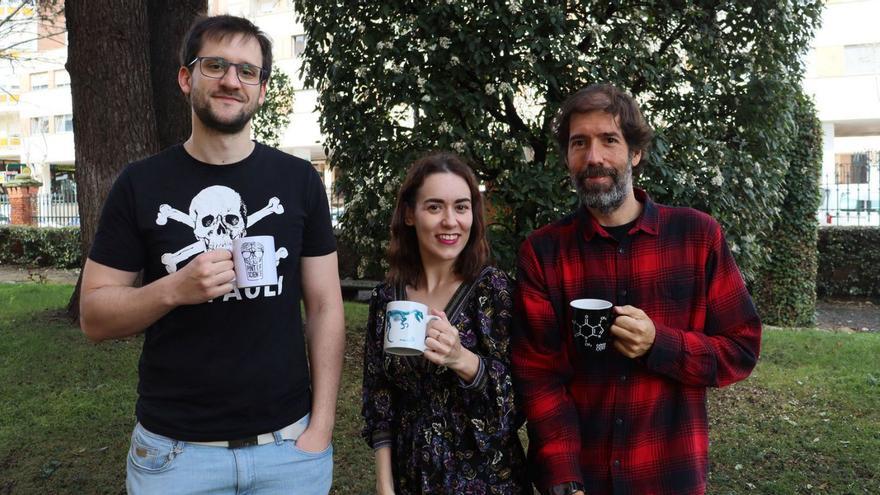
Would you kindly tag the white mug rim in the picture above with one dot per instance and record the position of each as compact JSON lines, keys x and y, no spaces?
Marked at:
{"x":406,"y":302}
{"x":590,"y":304}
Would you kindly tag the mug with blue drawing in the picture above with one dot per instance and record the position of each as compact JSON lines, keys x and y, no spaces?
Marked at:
{"x":405,"y":326}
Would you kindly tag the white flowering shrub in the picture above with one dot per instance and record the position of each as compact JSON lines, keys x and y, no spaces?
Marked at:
{"x":398,"y":79}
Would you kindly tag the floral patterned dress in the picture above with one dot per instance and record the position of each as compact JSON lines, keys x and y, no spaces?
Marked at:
{"x":448,"y":437}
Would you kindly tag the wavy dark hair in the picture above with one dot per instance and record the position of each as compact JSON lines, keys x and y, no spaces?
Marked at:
{"x":404,"y":258}
{"x":607,"y":98}
{"x":219,"y":27}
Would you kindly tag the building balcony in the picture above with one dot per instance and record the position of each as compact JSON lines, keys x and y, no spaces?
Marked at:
{"x":847,"y":98}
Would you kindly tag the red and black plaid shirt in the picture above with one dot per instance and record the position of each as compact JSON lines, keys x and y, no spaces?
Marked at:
{"x":620,"y":425}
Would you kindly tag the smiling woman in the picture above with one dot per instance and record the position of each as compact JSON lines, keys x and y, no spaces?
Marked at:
{"x":453,"y":405}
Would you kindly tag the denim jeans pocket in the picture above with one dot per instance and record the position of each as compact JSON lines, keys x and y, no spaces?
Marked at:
{"x":305,"y":453}
{"x":150,"y":452}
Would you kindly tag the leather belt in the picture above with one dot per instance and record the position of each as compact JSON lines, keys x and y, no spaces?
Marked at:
{"x":289,"y":432}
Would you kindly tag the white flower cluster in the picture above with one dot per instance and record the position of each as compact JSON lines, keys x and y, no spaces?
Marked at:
{"x":490,"y":89}
{"x":459,"y":146}
{"x":453,"y":60}
{"x":444,"y":128}
{"x":444,"y":42}
{"x":505,"y":87}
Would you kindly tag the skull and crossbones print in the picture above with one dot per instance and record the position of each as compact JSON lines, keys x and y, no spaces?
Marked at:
{"x":217,"y":215}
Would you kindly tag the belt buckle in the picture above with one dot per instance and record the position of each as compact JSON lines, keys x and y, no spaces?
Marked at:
{"x":243,"y":442}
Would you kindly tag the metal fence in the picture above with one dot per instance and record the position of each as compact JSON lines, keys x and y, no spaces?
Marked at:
{"x":852,"y":195}
{"x":57,"y":209}
{"x":4,"y":209}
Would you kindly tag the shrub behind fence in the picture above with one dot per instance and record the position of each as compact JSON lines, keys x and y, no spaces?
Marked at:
{"x":849,"y":262}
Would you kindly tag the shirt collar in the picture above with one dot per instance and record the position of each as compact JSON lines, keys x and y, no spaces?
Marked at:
{"x":647,"y":222}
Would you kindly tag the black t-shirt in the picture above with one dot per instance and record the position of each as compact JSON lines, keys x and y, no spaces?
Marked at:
{"x":235,"y":366}
{"x":619,"y":232}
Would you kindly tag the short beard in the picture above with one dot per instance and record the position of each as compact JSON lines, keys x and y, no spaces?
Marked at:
{"x":604,"y":200}
{"x":232,"y":127}
{"x":203,"y":111}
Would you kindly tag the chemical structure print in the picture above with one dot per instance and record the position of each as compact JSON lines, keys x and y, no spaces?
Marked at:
{"x":591,"y":334}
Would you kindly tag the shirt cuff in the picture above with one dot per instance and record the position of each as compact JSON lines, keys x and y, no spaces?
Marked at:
{"x":666,"y":349}
{"x":381,"y":439}
{"x":566,"y":488}
{"x":479,"y":381}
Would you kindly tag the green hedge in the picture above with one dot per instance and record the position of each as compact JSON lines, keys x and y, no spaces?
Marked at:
{"x":785,"y":289}
{"x":849,"y":262}
{"x":40,"y":246}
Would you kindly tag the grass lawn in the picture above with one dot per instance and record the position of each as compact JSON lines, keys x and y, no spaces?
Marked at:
{"x":805,"y":422}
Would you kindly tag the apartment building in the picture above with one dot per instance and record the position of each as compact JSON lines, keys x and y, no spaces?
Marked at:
{"x":843,"y":75}
{"x":36,"y":120}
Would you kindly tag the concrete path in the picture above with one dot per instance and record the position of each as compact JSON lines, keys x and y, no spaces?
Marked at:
{"x":19,"y":274}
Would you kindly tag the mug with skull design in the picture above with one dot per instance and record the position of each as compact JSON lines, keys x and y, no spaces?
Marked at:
{"x":254,"y":260}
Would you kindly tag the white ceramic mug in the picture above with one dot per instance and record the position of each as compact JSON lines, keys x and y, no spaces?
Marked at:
{"x":254,"y":259}
{"x":405,"y":325}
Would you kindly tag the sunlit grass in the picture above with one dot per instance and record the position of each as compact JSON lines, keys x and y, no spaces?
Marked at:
{"x":805,"y":422}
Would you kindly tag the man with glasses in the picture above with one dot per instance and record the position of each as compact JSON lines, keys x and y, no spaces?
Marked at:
{"x":228,"y":400}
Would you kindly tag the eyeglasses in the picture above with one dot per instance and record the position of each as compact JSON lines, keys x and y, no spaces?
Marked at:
{"x":216,"y":67}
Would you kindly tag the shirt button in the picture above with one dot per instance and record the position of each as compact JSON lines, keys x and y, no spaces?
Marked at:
{"x":622,"y":292}
{"x":623,"y":378}
{"x":621,"y":250}
{"x":616,"y":463}
{"x":618,"y":421}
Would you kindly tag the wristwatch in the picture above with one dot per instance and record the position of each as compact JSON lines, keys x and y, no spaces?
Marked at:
{"x":567,"y":488}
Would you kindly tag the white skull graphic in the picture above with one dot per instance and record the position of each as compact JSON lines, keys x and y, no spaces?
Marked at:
{"x":219,"y":215}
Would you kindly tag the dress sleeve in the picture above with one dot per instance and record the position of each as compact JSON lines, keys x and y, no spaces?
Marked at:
{"x":490,"y":397}
{"x":727,"y":350}
{"x":377,"y":394}
{"x":542,"y":371}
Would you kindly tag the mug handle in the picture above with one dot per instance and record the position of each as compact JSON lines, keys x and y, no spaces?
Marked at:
{"x":428,"y":320}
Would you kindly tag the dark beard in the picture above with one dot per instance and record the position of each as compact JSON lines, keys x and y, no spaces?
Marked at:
{"x":233,"y":127}
{"x":597,"y":197}
{"x":201,"y":106}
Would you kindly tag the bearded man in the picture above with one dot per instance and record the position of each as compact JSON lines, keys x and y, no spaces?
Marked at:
{"x":631,"y":419}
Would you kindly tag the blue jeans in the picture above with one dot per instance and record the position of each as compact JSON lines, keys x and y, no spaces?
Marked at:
{"x":159,"y":465}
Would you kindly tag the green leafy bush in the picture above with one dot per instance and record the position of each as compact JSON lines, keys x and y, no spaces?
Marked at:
{"x":785,"y":291}
{"x":38,"y":246}
{"x":849,"y":262}
{"x":272,"y":118}
{"x":719,"y":83}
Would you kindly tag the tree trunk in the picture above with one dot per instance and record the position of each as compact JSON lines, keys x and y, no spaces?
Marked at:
{"x":169,"y":20}
{"x":122,"y":59}
{"x":108,"y":60}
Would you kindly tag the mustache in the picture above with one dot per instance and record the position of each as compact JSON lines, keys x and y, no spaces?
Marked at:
{"x":593,"y":172}
{"x":230,"y":94}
